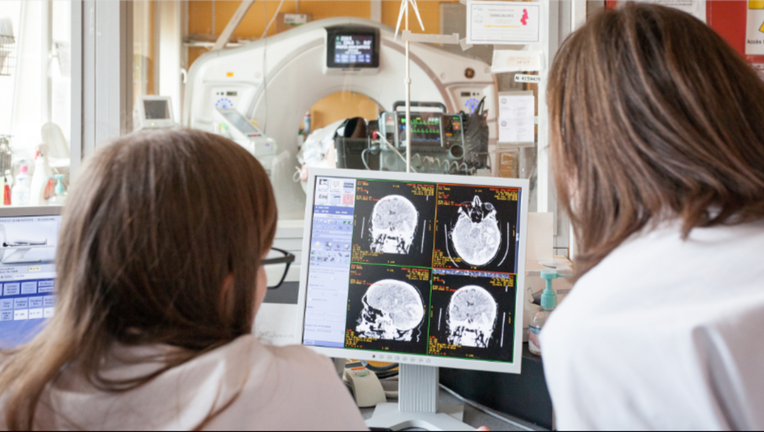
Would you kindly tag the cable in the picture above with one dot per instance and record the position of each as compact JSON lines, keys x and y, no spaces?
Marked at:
{"x":403,"y":158}
{"x":486,"y":410}
{"x":268,"y":27}
{"x":363,"y":159}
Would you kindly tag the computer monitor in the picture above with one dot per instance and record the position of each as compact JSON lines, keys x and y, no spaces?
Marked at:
{"x":420,"y":270}
{"x":154,"y":112}
{"x":28,"y":240}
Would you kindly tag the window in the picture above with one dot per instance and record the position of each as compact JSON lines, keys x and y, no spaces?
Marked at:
{"x":35,"y":93}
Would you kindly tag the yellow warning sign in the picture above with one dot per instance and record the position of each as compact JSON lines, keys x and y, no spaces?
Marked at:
{"x":754,"y":40}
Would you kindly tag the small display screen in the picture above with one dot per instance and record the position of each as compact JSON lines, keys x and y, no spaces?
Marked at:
{"x":426,"y":128}
{"x":239,"y":122}
{"x":353,"y":49}
{"x":156,"y":110}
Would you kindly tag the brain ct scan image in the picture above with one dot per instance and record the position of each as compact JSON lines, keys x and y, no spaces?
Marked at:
{"x":394,"y":223}
{"x":391,"y":311}
{"x":387,"y":308}
{"x":471,"y":317}
{"x":476,"y":229}
{"x":476,"y":236}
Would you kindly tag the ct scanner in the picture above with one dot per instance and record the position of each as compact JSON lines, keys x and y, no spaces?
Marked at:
{"x":276,"y":80}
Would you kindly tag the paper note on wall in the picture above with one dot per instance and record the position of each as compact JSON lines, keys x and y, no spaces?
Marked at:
{"x":276,"y":324}
{"x":500,"y":22}
{"x":516,"y":61}
{"x":754,"y":37}
{"x":517,"y":121}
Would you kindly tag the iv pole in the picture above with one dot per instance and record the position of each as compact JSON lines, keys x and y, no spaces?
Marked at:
{"x":405,"y":11}
{"x":408,"y":97}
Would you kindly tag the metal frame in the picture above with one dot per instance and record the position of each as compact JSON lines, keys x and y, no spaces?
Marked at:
{"x":6,"y":212}
{"x":101,"y":75}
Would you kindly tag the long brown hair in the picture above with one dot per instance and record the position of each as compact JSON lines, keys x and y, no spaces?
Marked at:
{"x":653,"y":117}
{"x":153,"y":226}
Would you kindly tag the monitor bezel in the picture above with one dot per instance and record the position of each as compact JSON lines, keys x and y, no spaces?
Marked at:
{"x":515,"y":367}
{"x":30,"y":211}
{"x":156,"y":123}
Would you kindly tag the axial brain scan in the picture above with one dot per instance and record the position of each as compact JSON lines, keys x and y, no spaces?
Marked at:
{"x":471,"y":317}
{"x":393,"y":225}
{"x":476,"y":235}
{"x":392,"y":310}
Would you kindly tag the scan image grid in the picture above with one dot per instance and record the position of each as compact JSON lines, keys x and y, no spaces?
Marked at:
{"x":406,"y":232}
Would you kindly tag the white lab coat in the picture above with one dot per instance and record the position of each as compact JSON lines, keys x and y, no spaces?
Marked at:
{"x":283,"y":389}
{"x":663,"y":334}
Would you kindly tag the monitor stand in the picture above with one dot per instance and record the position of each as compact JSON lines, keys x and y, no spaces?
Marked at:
{"x":417,"y":405}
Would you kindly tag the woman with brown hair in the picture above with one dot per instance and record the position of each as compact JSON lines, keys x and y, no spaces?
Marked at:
{"x":658,"y":149}
{"x":160,"y":276}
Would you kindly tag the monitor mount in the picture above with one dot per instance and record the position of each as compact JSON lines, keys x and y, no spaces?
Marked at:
{"x":417,"y":405}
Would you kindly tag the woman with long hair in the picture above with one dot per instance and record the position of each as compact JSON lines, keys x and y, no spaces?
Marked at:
{"x":159,"y":280}
{"x":658,"y":150}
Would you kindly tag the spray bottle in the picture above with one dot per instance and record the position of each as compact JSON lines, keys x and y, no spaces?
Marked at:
{"x":59,"y":199}
{"x":548,"y":303}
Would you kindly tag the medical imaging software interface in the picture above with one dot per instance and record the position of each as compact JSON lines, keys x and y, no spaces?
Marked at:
{"x":27,"y":274}
{"x":414,"y":268}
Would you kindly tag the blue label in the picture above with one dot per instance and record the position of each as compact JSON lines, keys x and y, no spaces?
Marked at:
{"x":21,"y":303}
{"x":49,"y":301}
{"x":45,"y":287}
{"x":29,"y":288}
{"x":12,"y":289}
{"x":6,"y":304}
{"x":35,"y":302}
{"x":6,"y":316}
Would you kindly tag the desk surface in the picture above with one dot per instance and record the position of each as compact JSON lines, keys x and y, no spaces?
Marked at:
{"x":472,"y":416}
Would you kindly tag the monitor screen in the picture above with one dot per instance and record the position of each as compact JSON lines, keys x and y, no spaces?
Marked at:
{"x":156,"y":109}
{"x":426,"y":128}
{"x":239,"y":122}
{"x":414,"y":270}
{"x":27,"y":274}
{"x":353,"y":49}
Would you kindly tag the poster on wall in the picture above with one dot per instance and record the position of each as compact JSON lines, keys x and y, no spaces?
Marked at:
{"x":503,"y":23}
{"x":696,"y":8}
{"x":754,"y":34}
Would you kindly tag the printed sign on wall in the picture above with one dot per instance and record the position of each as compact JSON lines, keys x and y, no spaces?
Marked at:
{"x":503,"y":23}
{"x":754,"y":36}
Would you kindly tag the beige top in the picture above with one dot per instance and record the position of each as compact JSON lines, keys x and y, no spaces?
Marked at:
{"x":289,"y":388}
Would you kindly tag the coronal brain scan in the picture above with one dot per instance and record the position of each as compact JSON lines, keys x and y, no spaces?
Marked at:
{"x":392,"y":310}
{"x":471,"y":317}
{"x":476,"y":236}
{"x":393,"y":225}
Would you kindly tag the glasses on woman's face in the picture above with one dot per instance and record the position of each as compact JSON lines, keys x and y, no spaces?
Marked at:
{"x":277,"y":265}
